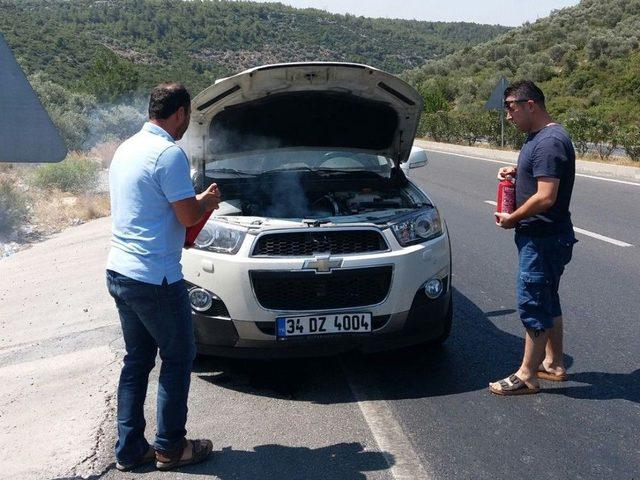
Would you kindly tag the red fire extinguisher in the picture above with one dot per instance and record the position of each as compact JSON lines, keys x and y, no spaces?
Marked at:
{"x":194,"y":230}
{"x":506,"y":196}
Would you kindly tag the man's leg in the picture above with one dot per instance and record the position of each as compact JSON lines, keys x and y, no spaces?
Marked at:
{"x":535,"y":342}
{"x":134,"y":376}
{"x":554,"y":354}
{"x":559,"y":253}
{"x":172,"y":328}
{"x":533,"y":294}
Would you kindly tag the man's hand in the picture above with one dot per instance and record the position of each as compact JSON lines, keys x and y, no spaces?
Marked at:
{"x":504,"y":220}
{"x":190,"y":210}
{"x":210,"y":198}
{"x":504,"y":171}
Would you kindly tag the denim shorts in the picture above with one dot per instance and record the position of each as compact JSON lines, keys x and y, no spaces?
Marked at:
{"x":541,"y":262}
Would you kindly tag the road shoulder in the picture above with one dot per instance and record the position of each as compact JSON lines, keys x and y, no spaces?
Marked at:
{"x":582,"y":166}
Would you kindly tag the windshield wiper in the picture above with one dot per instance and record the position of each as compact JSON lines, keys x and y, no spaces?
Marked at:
{"x":232,"y":171}
{"x":284,"y":169}
{"x":327,"y":171}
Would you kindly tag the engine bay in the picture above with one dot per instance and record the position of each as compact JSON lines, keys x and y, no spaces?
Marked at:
{"x":330,"y":204}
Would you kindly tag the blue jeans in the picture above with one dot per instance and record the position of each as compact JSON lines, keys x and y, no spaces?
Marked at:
{"x":541,"y":264}
{"x":153,"y":317}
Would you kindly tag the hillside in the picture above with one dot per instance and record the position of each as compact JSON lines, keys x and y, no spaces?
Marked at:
{"x":109,"y":47}
{"x":586,"y":58}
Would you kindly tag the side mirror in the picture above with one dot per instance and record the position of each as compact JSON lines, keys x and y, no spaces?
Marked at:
{"x":417,"y":158}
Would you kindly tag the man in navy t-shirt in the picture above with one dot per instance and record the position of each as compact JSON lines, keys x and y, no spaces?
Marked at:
{"x":544,"y":235}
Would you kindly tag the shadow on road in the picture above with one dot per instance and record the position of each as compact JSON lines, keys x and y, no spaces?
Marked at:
{"x":342,"y":461}
{"x":603,"y":386}
{"x":477,"y":352}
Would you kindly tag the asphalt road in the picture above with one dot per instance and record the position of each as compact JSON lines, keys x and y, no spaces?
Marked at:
{"x":418,"y":413}
{"x":428,"y":414}
{"x":585,"y":428}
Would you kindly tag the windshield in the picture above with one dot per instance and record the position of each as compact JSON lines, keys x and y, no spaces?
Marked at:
{"x":288,"y":160}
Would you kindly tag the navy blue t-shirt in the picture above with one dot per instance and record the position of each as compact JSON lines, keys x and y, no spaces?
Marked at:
{"x":546,"y":153}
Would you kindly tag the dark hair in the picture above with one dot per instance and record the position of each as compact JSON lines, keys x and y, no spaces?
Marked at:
{"x":167,"y":98}
{"x":525,"y":90}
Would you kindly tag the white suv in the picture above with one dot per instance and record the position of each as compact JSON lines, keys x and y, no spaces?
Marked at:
{"x":321,"y":244}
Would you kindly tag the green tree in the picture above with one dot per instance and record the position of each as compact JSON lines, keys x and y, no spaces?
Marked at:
{"x":630,"y":140}
{"x":70,"y":111}
{"x":605,"y":137}
{"x":579,"y":124}
{"x":112,"y":78}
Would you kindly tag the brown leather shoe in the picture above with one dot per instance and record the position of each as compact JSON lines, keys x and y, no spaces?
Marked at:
{"x":200,"y":450}
{"x":148,"y":457}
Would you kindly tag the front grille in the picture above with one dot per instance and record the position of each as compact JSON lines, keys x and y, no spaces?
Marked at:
{"x":285,"y":290}
{"x":307,"y":243}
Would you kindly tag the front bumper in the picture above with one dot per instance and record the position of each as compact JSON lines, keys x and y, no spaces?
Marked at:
{"x":246,"y":328}
{"x":426,"y":320}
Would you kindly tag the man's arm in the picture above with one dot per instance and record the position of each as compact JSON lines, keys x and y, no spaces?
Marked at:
{"x":539,"y":202}
{"x":190,"y":210}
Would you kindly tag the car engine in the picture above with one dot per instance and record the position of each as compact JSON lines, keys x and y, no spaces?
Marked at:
{"x":327,"y":205}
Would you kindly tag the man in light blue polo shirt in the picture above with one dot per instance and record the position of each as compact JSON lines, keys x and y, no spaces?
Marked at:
{"x":152,"y":201}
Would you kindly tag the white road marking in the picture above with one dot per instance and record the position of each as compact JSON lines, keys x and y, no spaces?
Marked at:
{"x":602,"y":237}
{"x":505,"y":162}
{"x":587,"y":233}
{"x":608,"y":179}
{"x":398,"y":451}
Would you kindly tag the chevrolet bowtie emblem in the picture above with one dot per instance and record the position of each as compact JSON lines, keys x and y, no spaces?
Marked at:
{"x":322,"y":263}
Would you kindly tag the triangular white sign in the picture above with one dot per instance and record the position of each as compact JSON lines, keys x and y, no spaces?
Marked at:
{"x":27,"y":134}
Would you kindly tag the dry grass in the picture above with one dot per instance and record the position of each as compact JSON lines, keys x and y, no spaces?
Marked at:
{"x":623,"y":161}
{"x":50,"y":210}
{"x":55,"y":210}
{"x":103,"y":152}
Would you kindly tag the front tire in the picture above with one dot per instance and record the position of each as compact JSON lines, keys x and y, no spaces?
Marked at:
{"x":447,"y":324}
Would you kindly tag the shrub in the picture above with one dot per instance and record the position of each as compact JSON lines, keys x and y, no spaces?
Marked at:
{"x":440,"y":126}
{"x":513,"y":137}
{"x":630,"y":140}
{"x":70,"y":111}
{"x":472,"y":125}
{"x":114,"y":123}
{"x":604,"y":136}
{"x":579,"y":124}
{"x":103,"y":152}
{"x":75,"y":174}
{"x":12,"y":207}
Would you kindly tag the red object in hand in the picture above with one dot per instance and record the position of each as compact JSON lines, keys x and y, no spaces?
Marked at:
{"x":506,"y":197}
{"x":194,"y":230}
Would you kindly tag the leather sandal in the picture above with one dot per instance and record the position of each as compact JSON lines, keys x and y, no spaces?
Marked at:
{"x":554,"y":377}
{"x":200,"y":450}
{"x":148,"y":457}
{"x":512,"y":385}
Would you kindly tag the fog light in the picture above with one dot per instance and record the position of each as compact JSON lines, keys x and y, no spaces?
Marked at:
{"x":200,"y":299}
{"x":433,"y":288}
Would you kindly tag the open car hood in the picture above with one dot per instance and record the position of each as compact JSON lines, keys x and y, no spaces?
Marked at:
{"x":341,"y":106}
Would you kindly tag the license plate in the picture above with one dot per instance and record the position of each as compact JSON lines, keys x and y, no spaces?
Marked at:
{"x":322,"y":324}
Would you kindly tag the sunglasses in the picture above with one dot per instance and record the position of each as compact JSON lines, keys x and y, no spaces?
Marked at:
{"x":508,"y":104}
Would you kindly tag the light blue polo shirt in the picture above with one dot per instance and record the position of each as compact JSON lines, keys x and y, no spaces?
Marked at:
{"x":148,"y":172}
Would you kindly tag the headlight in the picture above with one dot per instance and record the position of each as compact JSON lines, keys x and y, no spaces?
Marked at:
{"x":221,"y":238}
{"x":418,"y":227}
